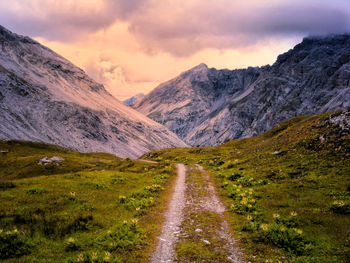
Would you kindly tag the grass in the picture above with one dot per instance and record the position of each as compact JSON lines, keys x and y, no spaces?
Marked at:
{"x":287,"y":191}
{"x":89,"y":208}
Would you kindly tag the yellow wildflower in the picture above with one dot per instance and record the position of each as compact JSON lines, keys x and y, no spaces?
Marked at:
{"x":80,"y":258}
{"x":264,"y":227}
{"x":276,"y":215}
{"x":107,"y":256}
{"x":94,"y":256}
{"x":293,"y":213}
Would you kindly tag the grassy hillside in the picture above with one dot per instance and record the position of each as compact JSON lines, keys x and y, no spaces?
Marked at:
{"x":19,"y":159}
{"x":287,"y":191}
{"x":86,"y":208}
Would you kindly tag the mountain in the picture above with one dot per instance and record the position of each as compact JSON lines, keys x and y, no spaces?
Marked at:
{"x":131,"y":101}
{"x":206,"y":106}
{"x":44,"y":97}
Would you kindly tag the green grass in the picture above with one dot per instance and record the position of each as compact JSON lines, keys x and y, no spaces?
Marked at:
{"x":90,"y":208}
{"x":300,"y":167}
{"x":19,"y":159}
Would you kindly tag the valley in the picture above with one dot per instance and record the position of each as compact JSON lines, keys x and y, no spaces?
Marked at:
{"x":215,"y":165}
{"x":285,"y":198}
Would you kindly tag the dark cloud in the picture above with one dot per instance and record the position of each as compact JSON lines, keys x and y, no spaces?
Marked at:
{"x":181,"y":28}
{"x":55,"y":21}
{"x":237,"y":25}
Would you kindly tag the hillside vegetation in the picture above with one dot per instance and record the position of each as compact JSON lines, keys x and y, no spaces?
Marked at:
{"x":85,"y":208}
{"x":287,"y":191}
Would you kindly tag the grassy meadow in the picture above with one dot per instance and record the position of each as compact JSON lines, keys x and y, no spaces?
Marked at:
{"x":287,"y":191}
{"x":87,"y":208}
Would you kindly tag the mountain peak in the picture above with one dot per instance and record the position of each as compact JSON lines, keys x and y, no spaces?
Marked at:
{"x":10,"y":36}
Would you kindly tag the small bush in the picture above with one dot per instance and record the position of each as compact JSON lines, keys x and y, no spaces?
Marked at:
{"x":36,"y":191}
{"x":118,"y":179}
{"x":71,"y":245}
{"x":126,"y":236}
{"x":289,"y":239}
{"x":340,"y":207}
{"x":13,"y":244}
{"x":95,"y":257}
{"x":234,"y":177}
{"x":50,"y":224}
{"x":6,"y":185}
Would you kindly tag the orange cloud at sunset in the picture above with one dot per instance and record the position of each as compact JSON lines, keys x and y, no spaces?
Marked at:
{"x":132,"y":46}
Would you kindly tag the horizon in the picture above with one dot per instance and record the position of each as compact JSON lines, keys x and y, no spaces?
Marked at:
{"x":125,"y":44}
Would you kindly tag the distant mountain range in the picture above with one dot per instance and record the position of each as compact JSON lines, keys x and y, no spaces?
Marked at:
{"x":134,"y":99}
{"x":44,"y":97}
{"x":205,"y":106}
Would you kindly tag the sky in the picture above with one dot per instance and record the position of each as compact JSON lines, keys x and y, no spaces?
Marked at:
{"x":131,"y":46}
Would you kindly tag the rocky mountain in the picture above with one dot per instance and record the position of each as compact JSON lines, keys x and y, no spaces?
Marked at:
{"x":44,"y":97}
{"x":206,"y":106}
{"x":134,"y":99}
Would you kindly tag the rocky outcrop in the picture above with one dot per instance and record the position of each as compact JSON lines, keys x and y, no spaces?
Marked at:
{"x":205,"y":106}
{"x":44,"y":97}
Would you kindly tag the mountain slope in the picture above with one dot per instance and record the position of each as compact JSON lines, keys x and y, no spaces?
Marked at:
{"x":287,"y":191}
{"x":208,"y":106}
{"x":131,"y":101}
{"x":44,"y":97}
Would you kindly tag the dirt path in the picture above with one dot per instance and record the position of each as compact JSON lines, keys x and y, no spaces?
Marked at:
{"x":211,"y":202}
{"x":174,"y":216}
{"x":195,"y":225}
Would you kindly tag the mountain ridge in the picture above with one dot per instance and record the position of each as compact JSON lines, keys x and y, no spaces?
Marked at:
{"x":44,"y":97}
{"x":207,"y":107}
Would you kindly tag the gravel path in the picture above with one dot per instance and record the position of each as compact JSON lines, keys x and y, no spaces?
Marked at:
{"x":174,"y":216}
{"x":190,"y":198}
{"x":214,"y":204}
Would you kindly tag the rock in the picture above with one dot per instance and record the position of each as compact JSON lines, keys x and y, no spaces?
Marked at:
{"x":55,"y":159}
{"x":206,"y":241}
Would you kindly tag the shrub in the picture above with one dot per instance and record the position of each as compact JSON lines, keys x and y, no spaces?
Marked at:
{"x":289,"y":239}
{"x":118,"y":179}
{"x":50,"y":224}
{"x":234,"y":176}
{"x":290,"y":221}
{"x":71,"y":245}
{"x":95,"y":257}
{"x":124,"y":236}
{"x":36,"y":191}
{"x":6,"y":185}
{"x":340,"y":207}
{"x":13,"y":244}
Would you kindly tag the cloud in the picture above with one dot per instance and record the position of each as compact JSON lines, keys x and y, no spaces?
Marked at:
{"x":180,"y":28}
{"x":64,"y":20}
{"x":231,"y":24}
{"x":133,"y":45}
